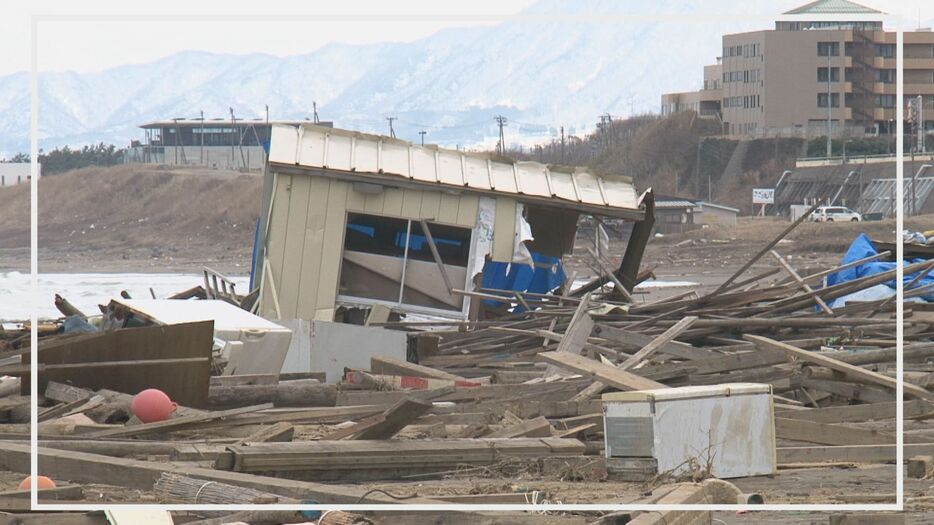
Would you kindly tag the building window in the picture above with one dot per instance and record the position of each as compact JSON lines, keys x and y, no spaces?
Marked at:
{"x":828,"y":49}
{"x":822,"y":100}
{"x":885,"y":50}
{"x":885,"y":101}
{"x":390,"y":260}
{"x":834,"y":74}
{"x":886,"y":76}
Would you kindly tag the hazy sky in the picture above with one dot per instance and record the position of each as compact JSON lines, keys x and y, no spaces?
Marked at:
{"x":94,"y":45}
{"x":89,"y":45}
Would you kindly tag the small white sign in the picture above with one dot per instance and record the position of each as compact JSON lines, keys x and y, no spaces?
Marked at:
{"x":763,"y":196}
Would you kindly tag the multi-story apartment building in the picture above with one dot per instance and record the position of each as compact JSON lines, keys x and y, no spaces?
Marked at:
{"x":829,"y":64}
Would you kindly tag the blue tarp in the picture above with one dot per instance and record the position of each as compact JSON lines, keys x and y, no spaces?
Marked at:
{"x":860,"y":249}
{"x":522,"y":277}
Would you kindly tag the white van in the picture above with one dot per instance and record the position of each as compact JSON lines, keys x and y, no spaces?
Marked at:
{"x":835,"y":214}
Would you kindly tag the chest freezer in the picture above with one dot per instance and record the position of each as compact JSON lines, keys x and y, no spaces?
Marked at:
{"x":729,"y":426}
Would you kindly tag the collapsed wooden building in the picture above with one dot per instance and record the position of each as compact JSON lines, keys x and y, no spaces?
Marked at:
{"x":353,"y":220}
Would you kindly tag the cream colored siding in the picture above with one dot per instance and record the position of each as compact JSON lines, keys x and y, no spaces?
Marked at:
{"x":504,"y":228}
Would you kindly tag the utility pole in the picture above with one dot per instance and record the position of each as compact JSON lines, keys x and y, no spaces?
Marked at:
{"x":501,"y":121}
{"x":422,"y":133}
{"x":604,"y":126}
{"x":392,"y":132}
{"x":829,"y":105}
{"x":314,"y":107}
{"x":202,"y":137}
{"x":562,"y":145}
{"x":176,"y":140}
{"x":233,"y":127}
{"x":921,"y":140}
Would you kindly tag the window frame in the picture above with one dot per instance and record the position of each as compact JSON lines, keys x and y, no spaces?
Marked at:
{"x":354,"y":300}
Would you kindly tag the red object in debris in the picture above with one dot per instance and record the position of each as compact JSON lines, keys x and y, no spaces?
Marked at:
{"x":152,"y":405}
{"x":44,"y":483}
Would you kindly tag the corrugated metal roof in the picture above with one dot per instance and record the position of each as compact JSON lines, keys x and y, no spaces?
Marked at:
{"x":225,"y":122}
{"x":718,"y":206}
{"x":674,"y":204}
{"x":833,"y":7}
{"x":386,"y":157}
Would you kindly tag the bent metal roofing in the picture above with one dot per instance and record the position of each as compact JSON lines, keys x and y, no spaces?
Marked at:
{"x":386,"y":160}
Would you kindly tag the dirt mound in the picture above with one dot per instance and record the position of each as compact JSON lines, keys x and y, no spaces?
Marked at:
{"x":128,"y":214}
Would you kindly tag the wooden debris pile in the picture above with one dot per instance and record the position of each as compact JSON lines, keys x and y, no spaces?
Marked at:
{"x":518,"y":397}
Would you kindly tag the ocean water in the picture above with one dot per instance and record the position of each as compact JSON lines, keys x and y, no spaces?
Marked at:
{"x":87,"y":290}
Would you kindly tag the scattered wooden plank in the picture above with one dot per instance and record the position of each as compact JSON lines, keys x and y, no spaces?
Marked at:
{"x":538,"y":427}
{"x":833,"y":364}
{"x":575,"y":337}
{"x":804,"y":286}
{"x":359,"y":426}
{"x":390,"y":366}
{"x":858,"y":413}
{"x":133,"y":474}
{"x":395,"y":418}
{"x":178,"y":423}
{"x":827,"y":434}
{"x":644,"y":353}
{"x":281,"y":431}
{"x":608,"y":375}
{"x":849,"y":453}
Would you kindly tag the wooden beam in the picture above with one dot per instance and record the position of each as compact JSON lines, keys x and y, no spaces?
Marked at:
{"x":765,"y":250}
{"x":178,"y":423}
{"x":644,"y":353}
{"x":396,"y":367}
{"x":279,"y":432}
{"x":608,"y":375}
{"x":436,"y":255}
{"x":666,"y":337}
{"x":575,"y":337}
{"x":395,"y":418}
{"x":133,"y":474}
{"x":849,"y":453}
{"x":359,"y":426}
{"x":858,"y":413}
{"x":856,"y":372}
{"x":804,"y":286}
{"x":538,"y":427}
{"x":827,"y":434}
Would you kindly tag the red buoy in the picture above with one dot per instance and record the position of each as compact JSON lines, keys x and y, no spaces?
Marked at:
{"x":44,"y":483}
{"x":152,"y":405}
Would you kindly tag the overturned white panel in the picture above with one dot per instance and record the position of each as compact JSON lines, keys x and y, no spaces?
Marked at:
{"x":263,"y":343}
{"x":322,"y":346}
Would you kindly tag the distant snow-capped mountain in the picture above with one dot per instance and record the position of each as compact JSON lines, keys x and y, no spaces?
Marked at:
{"x":540,"y":72}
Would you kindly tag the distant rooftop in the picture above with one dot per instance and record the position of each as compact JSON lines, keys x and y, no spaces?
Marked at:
{"x":209,"y":122}
{"x":833,"y":7}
